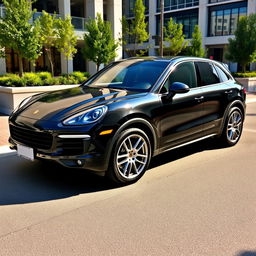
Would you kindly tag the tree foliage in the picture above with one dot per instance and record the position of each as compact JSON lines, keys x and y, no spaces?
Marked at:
{"x":174,"y":37}
{"x":196,"y":46}
{"x":57,"y":33}
{"x":66,"y":39}
{"x":18,"y":33}
{"x":242,"y":48}
{"x":99,"y":44}
{"x":138,"y":29}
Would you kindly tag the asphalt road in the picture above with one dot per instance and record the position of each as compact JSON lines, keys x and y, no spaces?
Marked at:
{"x":198,"y":200}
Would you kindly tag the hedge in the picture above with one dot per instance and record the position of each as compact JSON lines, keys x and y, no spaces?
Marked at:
{"x":42,"y":78}
{"x":245,"y":75}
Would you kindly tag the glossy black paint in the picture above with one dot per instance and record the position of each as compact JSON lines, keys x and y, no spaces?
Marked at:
{"x":168,"y":121}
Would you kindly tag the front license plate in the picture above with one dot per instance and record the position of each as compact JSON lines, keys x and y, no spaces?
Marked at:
{"x":25,"y":152}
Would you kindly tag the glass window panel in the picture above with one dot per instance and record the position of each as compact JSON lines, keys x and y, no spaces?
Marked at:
{"x":234,"y":20}
{"x":226,"y":22}
{"x":219,"y":23}
{"x":207,"y":73}
{"x":222,"y":75}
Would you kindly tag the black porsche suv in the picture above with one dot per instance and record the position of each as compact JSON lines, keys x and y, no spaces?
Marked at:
{"x":130,"y":111}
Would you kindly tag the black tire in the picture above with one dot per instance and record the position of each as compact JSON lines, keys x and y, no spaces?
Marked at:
{"x":125,"y":173}
{"x":235,"y":129}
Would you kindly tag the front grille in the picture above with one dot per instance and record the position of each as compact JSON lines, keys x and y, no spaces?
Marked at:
{"x":34,"y":139}
{"x":70,"y":147}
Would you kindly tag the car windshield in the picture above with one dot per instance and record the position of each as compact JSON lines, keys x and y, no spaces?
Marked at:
{"x":134,"y":75}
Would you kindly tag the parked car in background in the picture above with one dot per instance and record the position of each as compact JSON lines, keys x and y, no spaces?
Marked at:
{"x":130,"y":111}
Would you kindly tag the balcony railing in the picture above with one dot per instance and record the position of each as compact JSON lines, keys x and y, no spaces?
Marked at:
{"x":77,"y":22}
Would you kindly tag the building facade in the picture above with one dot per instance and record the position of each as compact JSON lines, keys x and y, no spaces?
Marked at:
{"x":217,"y":20}
{"x":79,"y":10}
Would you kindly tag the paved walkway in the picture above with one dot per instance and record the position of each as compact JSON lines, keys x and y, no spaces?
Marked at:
{"x":4,"y":130}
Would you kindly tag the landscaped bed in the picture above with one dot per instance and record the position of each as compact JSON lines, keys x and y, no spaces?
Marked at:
{"x":13,"y":89}
{"x":247,"y":79}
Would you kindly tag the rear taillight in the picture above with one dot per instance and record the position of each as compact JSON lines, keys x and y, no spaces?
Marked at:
{"x":244,"y":91}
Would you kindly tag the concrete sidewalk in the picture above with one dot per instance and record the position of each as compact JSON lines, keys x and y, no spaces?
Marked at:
{"x":4,"y":129}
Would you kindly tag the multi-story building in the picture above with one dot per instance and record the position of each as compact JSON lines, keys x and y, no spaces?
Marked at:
{"x":79,"y":10}
{"x":217,"y":20}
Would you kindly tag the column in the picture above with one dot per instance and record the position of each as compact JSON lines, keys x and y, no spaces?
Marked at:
{"x":251,"y":7}
{"x":114,"y":15}
{"x":203,"y":19}
{"x":92,"y":8}
{"x":2,"y":66}
{"x":64,"y":9}
{"x":152,"y":26}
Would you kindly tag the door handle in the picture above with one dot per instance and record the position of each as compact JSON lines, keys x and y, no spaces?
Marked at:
{"x":199,"y":98}
{"x":228,"y":92}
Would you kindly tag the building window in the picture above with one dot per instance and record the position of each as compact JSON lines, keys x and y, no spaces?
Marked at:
{"x":223,"y":19}
{"x":177,"y":4}
{"x":188,"y":19}
{"x":129,"y":7}
{"x":217,"y":1}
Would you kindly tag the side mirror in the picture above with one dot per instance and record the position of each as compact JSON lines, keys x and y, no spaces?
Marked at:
{"x":177,"y":87}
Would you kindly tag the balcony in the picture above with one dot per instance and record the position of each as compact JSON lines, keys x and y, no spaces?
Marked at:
{"x":77,"y":22}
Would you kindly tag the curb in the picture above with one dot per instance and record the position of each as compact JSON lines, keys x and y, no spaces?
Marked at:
{"x":6,"y":151}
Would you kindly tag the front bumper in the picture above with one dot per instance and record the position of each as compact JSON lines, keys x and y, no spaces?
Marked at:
{"x":72,"y":149}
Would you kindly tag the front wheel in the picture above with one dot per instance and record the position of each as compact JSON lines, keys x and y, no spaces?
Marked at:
{"x":233,"y":127}
{"x":131,"y":156}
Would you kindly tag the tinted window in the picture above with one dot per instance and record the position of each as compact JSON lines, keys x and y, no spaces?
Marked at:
{"x":134,"y":74}
{"x":208,"y":74}
{"x":184,"y":73}
{"x":222,"y":75}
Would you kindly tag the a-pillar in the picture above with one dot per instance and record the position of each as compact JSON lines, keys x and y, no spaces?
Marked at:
{"x":114,"y":15}
{"x":152,"y":27}
{"x":66,"y":64}
{"x":92,"y":8}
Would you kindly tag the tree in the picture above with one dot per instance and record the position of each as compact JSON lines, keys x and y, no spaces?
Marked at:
{"x":66,"y":39}
{"x":242,"y":48}
{"x":138,"y":29}
{"x":196,"y":49}
{"x":48,"y":35}
{"x":18,"y":33}
{"x":99,"y":44}
{"x":174,"y":37}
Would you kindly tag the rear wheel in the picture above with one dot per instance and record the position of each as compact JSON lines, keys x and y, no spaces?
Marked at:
{"x":233,"y":127}
{"x":131,"y":156}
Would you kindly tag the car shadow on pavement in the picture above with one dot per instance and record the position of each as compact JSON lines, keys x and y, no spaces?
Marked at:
{"x":247,"y":253}
{"x":172,"y":155}
{"x":22,"y":181}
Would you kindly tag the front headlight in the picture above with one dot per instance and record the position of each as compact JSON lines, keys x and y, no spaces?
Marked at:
{"x":87,"y":117}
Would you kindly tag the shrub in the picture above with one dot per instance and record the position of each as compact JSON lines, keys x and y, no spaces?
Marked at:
{"x":12,"y":81}
{"x":32,"y":79}
{"x":245,"y":75}
{"x":77,"y":76}
{"x":44,"y":75}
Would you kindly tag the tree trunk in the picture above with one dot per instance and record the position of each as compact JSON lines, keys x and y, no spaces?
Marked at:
{"x":20,"y":65}
{"x":98,"y":67}
{"x":134,"y":47}
{"x":243,"y":68}
{"x":49,"y":56}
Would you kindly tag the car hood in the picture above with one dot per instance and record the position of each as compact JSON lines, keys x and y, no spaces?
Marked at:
{"x":60,"y":104}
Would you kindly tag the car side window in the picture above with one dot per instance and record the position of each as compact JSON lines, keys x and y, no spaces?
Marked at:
{"x":183,"y":73}
{"x":207,"y":73}
{"x":222,"y":75}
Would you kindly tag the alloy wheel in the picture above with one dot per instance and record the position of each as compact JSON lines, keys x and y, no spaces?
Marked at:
{"x":234,"y":127}
{"x":132,"y":156}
